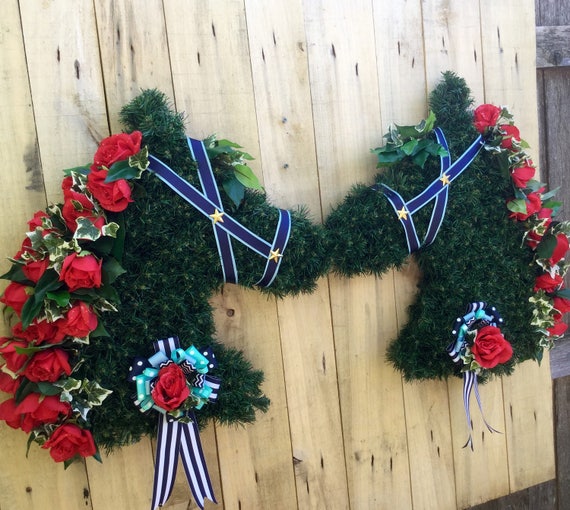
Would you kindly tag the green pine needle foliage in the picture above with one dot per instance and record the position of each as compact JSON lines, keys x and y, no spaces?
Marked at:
{"x":477,"y":256}
{"x":173,"y":269}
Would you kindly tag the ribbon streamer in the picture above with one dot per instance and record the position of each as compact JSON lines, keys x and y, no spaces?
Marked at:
{"x":178,"y":434}
{"x":478,"y":314}
{"x":437,"y":190}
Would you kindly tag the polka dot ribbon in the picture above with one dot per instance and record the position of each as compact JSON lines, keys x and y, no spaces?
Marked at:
{"x":178,"y":434}
{"x":478,"y":314}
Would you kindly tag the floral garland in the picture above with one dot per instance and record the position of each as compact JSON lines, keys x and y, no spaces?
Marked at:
{"x":61,"y":284}
{"x":534,"y":208}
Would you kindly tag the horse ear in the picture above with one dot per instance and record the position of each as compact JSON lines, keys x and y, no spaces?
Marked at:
{"x":451,"y":102}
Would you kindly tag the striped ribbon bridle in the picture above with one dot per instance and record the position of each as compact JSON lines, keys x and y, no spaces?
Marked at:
{"x":478,"y":314}
{"x":437,"y":190}
{"x":209,"y":204}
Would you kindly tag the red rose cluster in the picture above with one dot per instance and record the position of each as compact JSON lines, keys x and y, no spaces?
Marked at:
{"x":534,"y":208}
{"x":54,"y":304}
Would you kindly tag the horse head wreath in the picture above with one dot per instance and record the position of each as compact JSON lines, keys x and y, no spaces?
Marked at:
{"x":129,"y":258}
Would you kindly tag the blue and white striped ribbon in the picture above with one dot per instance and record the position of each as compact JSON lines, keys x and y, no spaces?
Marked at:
{"x":210,"y":205}
{"x":437,"y":190}
{"x":478,"y":314}
{"x":176,"y":439}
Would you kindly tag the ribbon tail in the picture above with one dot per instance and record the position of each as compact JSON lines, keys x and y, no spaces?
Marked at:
{"x":491,"y":429}
{"x":195,"y":464}
{"x":469,"y":378}
{"x":167,"y":450}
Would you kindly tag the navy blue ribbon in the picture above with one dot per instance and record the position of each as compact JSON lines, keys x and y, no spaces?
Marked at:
{"x":437,"y":190}
{"x":478,"y":315}
{"x":209,"y":204}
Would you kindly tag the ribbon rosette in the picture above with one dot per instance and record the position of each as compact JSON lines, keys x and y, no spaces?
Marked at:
{"x":174,"y":381}
{"x":486,"y":350}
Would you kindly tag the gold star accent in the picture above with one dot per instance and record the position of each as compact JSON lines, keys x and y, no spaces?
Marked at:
{"x":444,"y":179}
{"x":217,"y":216}
{"x":403,"y":214}
{"x":274,"y":255}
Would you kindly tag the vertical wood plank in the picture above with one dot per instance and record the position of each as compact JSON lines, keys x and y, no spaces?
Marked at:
{"x":66,"y":84}
{"x":426,"y":404}
{"x":134,"y":52}
{"x":452,"y":35}
{"x":212,"y":81}
{"x":452,"y":38}
{"x":401,"y":62}
{"x":134,"y":56}
{"x":256,"y":461}
{"x":25,"y":483}
{"x":287,"y":145}
{"x":346,"y":108}
{"x":510,"y":79}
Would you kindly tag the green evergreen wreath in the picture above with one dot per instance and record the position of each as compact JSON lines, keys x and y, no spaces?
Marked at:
{"x":125,"y":261}
{"x":160,"y":267}
{"x":482,"y":253}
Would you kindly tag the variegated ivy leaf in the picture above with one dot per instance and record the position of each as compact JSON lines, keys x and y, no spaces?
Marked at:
{"x":110,"y":229}
{"x":86,"y":230}
{"x":68,"y":385}
{"x":81,"y":407}
{"x":139,"y":161}
{"x":83,"y":340}
{"x":104,"y":305}
{"x":36,"y":239}
{"x":95,"y":393}
{"x":58,"y":249}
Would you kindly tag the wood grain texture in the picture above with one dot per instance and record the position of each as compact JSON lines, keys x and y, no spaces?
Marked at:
{"x":552,"y":46}
{"x":308,"y":88}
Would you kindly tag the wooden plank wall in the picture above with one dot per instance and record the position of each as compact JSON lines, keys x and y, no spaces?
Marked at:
{"x":308,"y":87}
{"x":553,"y":78}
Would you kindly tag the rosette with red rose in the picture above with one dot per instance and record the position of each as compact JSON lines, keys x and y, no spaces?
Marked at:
{"x":478,"y":345}
{"x":174,"y":382}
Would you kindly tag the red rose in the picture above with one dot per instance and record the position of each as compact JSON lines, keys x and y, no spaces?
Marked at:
{"x":558,"y":329}
{"x":116,"y":148}
{"x":521,"y":175}
{"x":170,"y":389}
{"x":79,"y":321}
{"x":35,"y":269}
{"x":81,"y":272}
{"x":14,"y":361}
{"x":7,"y":383}
{"x":533,"y":236}
{"x":26,"y":248}
{"x":48,"y":365}
{"x":560,"y":250}
{"x":486,"y":115}
{"x":38,"y":332}
{"x":562,"y":305}
{"x":490,"y":347}
{"x":113,"y":196}
{"x":78,"y":205}
{"x":533,"y":205}
{"x":33,"y":411}
{"x":36,"y":221}
{"x":510,"y":134}
{"x":547,"y":282}
{"x":15,"y":296}
{"x":68,"y":441}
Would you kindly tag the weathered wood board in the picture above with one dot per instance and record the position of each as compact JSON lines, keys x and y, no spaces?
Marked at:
{"x":308,"y":87}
